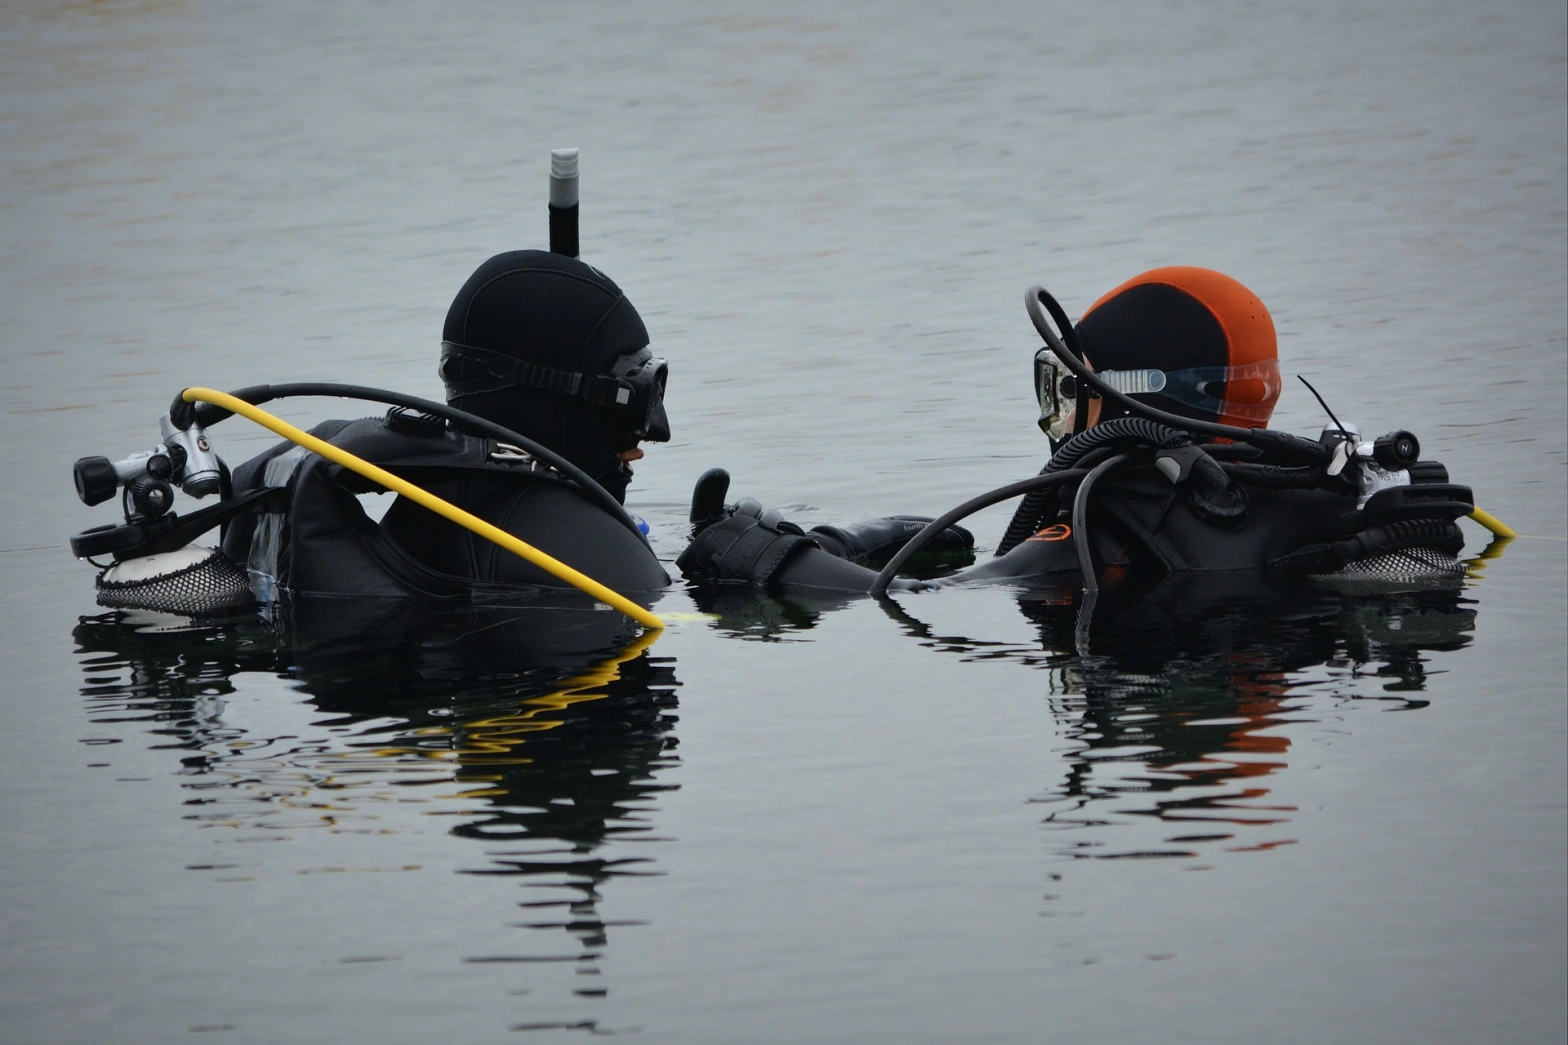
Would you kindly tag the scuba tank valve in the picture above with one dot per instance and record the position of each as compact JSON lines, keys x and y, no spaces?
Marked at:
{"x":1382,"y":464}
{"x":184,"y":459}
{"x":202,"y":471}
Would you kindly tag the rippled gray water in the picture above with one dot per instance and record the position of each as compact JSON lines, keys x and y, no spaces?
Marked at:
{"x":1235,"y":817}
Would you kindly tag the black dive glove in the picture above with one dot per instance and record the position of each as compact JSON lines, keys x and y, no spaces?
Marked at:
{"x":745,"y":543}
{"x":875,"y":541}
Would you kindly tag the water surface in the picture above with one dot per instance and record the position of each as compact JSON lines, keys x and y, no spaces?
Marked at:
{"x":1280,"y":816}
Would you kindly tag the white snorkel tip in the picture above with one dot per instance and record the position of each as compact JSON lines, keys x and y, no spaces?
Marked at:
{"x":563,"y":177}
{"x":563,"y":202}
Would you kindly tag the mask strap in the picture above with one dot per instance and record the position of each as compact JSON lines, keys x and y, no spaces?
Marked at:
{"x":1134,"y":382}
{"x":502,"y":371}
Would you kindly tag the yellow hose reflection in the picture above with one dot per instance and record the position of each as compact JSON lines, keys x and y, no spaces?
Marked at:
{"x":493,"y":741}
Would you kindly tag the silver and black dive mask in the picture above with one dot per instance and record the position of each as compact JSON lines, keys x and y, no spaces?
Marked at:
{"x":1244,"y":393}
{"x":633,"y":390}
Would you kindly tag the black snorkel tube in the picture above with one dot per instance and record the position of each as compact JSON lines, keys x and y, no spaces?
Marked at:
{"x":1046,"y":481}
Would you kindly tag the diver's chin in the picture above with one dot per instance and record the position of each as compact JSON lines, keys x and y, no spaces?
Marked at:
{"x":626,"y":457}
{"x":614,"y":476}
{"x":623,"y":479}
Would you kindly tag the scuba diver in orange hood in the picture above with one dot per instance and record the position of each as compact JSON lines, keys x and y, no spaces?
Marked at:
{"x":1156,"y":405}
{"x":1191,"y":341}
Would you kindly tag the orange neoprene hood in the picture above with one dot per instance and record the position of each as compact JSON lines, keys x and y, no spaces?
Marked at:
{"x":1181,"y":317}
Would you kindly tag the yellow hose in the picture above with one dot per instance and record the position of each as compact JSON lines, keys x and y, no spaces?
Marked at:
{"x":429,"y":500}
{"x":1491,"y":522}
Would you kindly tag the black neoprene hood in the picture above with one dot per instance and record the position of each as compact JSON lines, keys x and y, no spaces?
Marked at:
{"x":1156,"y":326}
{"x":1194,"y":322}
{"x":546,"y":309}
{"x":558,"y":312}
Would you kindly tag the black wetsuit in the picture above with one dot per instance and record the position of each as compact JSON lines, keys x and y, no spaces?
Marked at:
{"x":314,"y":538}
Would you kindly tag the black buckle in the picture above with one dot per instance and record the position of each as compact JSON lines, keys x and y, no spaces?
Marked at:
{"x":138,"y":537}
{"x":1419,"y":501}
{"x":612,"y":393}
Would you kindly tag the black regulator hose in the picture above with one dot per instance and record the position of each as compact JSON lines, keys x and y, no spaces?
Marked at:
{"x":1039,"y":508}
{"x":1283,"y":443}
{"x":1442,"y":534}
{"x":1091,"y":583}
{"x":183,"y":415}
{"x":969,"y":507}
{"x":1281,"y":477}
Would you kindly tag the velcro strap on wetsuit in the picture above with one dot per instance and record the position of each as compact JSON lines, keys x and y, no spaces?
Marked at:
{"x":749,"y":546}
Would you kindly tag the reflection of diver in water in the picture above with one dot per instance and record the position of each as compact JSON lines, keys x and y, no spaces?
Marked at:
{"x":1171,"y":704}
{"x":556,"y":722}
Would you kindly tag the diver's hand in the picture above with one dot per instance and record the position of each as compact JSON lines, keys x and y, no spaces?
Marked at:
{"x":745,"y":543}
{"x":875,"y":541}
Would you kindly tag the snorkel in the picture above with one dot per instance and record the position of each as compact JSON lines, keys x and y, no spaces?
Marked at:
{"x":563,"y":202}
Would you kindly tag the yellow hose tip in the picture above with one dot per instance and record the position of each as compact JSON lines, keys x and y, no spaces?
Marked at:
{"x":1491,"y":522}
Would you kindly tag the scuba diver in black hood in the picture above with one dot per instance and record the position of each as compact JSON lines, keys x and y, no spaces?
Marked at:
{"x":515,"y":486}
{"x":528,"y":342}
{"x":1155,"y":404}
{"x":550,"y":347}
{"x":543,"y":345}
{"x":550,"y":389}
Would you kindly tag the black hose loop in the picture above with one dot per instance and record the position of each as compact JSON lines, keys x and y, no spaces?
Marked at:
{"x":1123,"y":431}
{"x":207,"y":414}
{"x":1091,"y":583}
{"x":969,"y":507}
{"x":1371,"y":543}
{"x":1281,"y":477}
{"x":1034,"y":297}
{"x":1039,"y":508}
{"x":1417,"y":533}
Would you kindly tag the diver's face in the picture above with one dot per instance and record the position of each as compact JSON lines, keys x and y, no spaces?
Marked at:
{"x":647,"y":374}
{"x":641,"y":378}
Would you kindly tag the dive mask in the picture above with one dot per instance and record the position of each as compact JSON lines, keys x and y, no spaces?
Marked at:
{"x":640,"y":378}
{"x":633,"y":390}
{"x":1244,"y":393}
